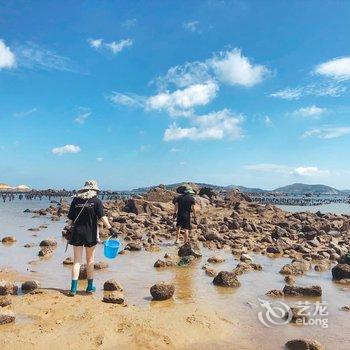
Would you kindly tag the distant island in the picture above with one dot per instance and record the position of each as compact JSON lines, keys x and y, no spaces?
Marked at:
{"x":296,"y":188}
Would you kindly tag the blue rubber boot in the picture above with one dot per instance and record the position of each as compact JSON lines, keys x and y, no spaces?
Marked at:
{"x":90,"y":287}
{"x":73,"y":287}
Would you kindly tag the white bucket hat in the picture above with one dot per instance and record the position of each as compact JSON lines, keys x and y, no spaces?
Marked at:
{"x":90,"y":185}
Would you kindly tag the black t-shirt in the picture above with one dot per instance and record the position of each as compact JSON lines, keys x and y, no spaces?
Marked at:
{"x":185,"y":202}
{"x":85,"y":228}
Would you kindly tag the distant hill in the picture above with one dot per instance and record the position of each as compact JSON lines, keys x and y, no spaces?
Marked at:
{"x":199,"y":184}
{"x":299,"y":188}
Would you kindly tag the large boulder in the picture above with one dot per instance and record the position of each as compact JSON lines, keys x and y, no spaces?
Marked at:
{"x":162,"y":291}
{"x":29,"y":286}
{"x":112,"y":285}
{"x":159,"y":194}
{"x":226,"y":279}
{"x":188,"y":250}
{"x":8,"y":240}
{"x":341,"y":271}
{"x":313,"y":291}
{"x":7,"y":316}
{"x":304,"y":344}
{"x":5,"y":301}
{"x":48,"y":243}
{"x":7,"y":288}
{"x":115,"y":297}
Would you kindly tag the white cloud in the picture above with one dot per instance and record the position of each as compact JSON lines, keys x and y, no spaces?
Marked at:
{"x":95,"y":43}
{"x":215,"y":125}
{"x":328,"y":132}
{"x":229,"y":67}
{"x":7,"y":57}
{"x":233,"y":68}
{"x":309,"y":171}
{"x":66,"y":149}
{"x":181,"y":76}
{"x":337,"y":68}
{"x":24,"y":113}
{"x":287,"y":170}
{"x":99,"y":159}
{"x":182,"y":102}
{"x":130,"y":100}
{"x":117,"y":47}
{"x":288,"y":93}
{"x":114,"y":46}
{"x":83,"y":114}
{"x":192,"y":26}
{"x":310,"y":112}
{"x":333,"y":89}
{"x":33,"y":56}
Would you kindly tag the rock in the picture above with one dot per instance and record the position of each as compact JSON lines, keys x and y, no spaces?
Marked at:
{"x":46,"y":252}
{"x":304,"y":344}
{"x":133,"y":246}
{"x":341,"y":271}
{"x":162,"y":291}
{"x":216,"y":259}
{"x":246,"y":258}
{"x":112,"y":285}
{"x":29,"y":286}
{"x":5,"y":301}
{"x":29,"y":245}
{"x":7,"y":288}
{"x":48,"y":243}
{"x":115,"y":297}
{"x":100,"y":265}
{"x":68,"y":261}
{"x":82,"y":272}
{"x":226,"y":279}
{"x":290,"y":269}
{"x":187,"y":250}
{"x":297,"y":314}
{"x":275,"y":293}
{"x":289,"y":279}
{"x":273,"y":250}
{"x":314,"y":291}
{"x":164,"y":263}
{"x":186,"y":260}
{"x":8,"y":240}
{"x":7,"y":316}
{"x":209,"y":271}
{"x":322,"y":266}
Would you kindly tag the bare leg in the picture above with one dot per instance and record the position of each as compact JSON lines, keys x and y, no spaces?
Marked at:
{"x":90,"y":257}
{"x":186,"y":236}
{"x":178,"y":231}
{"x":78,"y":253}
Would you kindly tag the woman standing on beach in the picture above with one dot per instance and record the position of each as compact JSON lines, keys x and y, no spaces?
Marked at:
{"x":85,"y":211}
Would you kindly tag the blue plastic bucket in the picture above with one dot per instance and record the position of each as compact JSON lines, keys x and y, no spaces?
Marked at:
{"x":111,"y":248}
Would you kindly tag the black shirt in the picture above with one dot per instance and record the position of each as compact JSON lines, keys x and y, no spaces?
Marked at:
{"x":85,"y":228}
{"x":185,"y":202}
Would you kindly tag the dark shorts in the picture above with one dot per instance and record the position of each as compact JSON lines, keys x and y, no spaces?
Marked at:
{"x":183,"y":222}
{"x":81,"y":240}
{"x":80,"y":244}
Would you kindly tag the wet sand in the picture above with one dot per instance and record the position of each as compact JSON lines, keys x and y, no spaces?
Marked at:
{"x":200,"y":315}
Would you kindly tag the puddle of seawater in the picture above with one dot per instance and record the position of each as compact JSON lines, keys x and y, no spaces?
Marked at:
{"x":136,"y":273}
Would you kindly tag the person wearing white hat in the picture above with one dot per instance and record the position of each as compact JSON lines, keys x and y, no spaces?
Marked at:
{"x":85,"y":211}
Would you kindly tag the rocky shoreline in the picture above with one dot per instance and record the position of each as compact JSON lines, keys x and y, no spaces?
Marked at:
{"x":226,"y":222}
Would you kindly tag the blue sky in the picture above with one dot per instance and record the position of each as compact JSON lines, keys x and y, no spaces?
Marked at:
{"x":136,"y":93}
